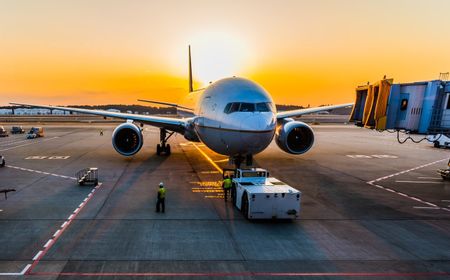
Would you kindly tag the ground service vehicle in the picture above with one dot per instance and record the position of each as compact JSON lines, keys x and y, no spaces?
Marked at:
{"x":259,"y":196}
{"x":439,"y":140}
{"x":35,"y":132}
{"x":3,"y":132}
{"x":17,"y":130}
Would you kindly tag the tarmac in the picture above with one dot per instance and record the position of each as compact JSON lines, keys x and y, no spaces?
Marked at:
{"x":371,"y":208}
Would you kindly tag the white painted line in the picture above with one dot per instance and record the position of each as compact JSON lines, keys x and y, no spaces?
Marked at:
{"x":418,"y":182}
{"x":81,"y":204}
{"x":430,"y":178}
{"x":25,"y":269}
{"x":64,"y":224}
{"x":40,"y":172}
{"x":33,"y":142}
{"x":37,"y":255}
{"x":76,"y":210}
{"x":56,"y":233}
{"x":445,"y":200}
{"x":16,"y":273}
{"x":424,"y":207}
{"x":372,"y":183}
{"x":48,"y":243}
{"x":84,"y":200}
{"x":70,"y":217}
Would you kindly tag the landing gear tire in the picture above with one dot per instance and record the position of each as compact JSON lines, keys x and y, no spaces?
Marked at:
{"x":158,"y":149}
{"x":436,"y":144}
{"x":168,"y":149}
{"x":244,"y":207}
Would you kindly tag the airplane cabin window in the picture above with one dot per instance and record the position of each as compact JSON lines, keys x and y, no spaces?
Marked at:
{"x":247,"y":107}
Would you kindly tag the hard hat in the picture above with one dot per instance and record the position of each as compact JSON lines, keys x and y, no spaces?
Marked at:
{"x":161,"y":184}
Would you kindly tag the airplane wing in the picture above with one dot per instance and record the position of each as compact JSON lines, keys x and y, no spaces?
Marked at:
{"x":172,"y":124}
{"x":300,"y":112}
{"x":166,"y":103}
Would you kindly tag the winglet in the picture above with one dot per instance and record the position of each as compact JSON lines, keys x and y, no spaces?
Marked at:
{"x":191,"y":88}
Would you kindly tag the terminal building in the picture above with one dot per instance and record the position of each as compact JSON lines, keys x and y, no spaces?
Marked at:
{"x":418,"y":107}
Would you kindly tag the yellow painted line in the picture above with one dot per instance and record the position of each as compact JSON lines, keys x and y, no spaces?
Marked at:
{"x":208,"y":158}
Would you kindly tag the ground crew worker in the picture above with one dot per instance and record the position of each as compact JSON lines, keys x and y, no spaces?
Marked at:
{"x":101,"y":132}
{"x":161,"y":198}
{"x":226,"y":185}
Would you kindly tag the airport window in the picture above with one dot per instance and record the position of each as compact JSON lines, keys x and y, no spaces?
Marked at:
{"x":247,"y":107}
{"x":404,"y":105}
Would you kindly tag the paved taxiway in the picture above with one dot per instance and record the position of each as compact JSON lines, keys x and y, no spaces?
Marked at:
{"x":371,"y":208}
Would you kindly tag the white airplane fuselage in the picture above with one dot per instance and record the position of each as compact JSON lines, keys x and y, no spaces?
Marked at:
{"x":234,"y":116}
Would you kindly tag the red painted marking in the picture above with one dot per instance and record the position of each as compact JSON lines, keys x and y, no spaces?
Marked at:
{"x":236,"y":274}
{"x":55,"y":238}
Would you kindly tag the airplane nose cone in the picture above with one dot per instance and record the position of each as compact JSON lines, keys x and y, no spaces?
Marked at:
{"x":252,"y":123}
{"x":257,"y":131}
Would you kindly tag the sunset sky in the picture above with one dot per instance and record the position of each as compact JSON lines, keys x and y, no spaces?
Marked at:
{"x":303,"y":52}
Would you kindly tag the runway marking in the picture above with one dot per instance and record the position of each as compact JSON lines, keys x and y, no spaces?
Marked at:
{"x":40,"y":172}
{"x":47,"y":157}
{"x":419,"y":182}
{"x":374,"y":183}
{"x":37,"y":255}
{"x":33,"y":142}
{"x":58,"y":233}
{"x":208,"y":158}
{"x":16,"y":273}
{"x":430,"y":178}
{"x":48,"y":243}
{"x":371,"y":156}
{"x":425,"y":207}
{"x":246,"y":274}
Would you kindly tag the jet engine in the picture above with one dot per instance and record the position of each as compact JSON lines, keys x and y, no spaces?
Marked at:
{"x":294,"y":137}
{"x":127,"y":139}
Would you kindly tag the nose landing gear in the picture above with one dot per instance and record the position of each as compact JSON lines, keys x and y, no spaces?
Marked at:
{"x":163,"y":147}
{"x":239,"y":159}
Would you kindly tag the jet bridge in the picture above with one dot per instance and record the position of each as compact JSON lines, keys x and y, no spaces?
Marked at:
{"x":416,"y":108}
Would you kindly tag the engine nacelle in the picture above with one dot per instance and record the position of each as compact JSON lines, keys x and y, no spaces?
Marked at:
{"x":127,"y":139}
{"x":294,"y":137}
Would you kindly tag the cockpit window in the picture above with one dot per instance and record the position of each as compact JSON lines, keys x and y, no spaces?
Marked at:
{"x":262,"y":107}
{"x":234,"y":107}
{"x":248,"y":107}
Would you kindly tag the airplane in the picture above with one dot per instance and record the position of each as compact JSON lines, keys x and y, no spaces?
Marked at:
{"x":233,"y":116}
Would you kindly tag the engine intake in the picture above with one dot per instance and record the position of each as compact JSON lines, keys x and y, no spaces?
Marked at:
{"x":127,"y":139}
{"x":294,"y":137}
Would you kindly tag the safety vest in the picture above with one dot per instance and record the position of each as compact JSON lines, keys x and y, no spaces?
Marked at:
{"x":162,"y":192}
{"x":227,"y":183}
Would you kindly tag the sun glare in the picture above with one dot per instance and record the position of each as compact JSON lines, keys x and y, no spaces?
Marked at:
{"x":216,"y":55}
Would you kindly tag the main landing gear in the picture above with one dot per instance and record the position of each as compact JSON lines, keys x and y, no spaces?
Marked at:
{"x":163,"y":147}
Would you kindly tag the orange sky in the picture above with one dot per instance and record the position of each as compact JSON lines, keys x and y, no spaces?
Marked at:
{"x":302,"y":52}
